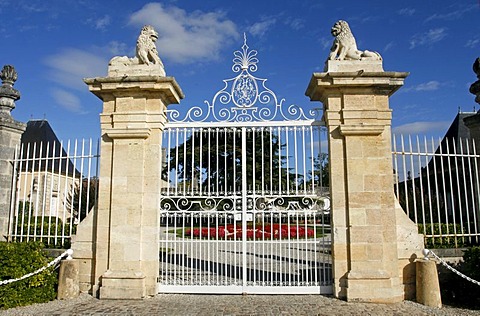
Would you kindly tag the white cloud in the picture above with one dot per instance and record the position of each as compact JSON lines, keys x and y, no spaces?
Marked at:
{"x":326,"y":42}
{"x":406,"y":11}
{"x":428,"y":38}
{"x":260,"y":28}
{"x":70,"y":66}
{"x":68,"y":101}
{"x":388,"y":46}
{"x":452,"y":14}
{"x":472,"y":43}
{"x":30,"y":7}
{"x":431,"y":85}
{"x":295,"y":23}
{"x":186,"y":37}
{"x":428,"y":86}
{"x":422,"y":128}
{"x":102,"y":23}
{"x":118,"y":48}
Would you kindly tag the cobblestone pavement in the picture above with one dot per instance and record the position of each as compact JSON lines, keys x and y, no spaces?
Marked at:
{"x":182,"y":304}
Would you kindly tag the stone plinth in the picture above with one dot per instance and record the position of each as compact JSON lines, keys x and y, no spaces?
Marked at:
{"x":353,"y":65}
{"x":124,"y":66}
{"x":125,"y":254}
{"x":366,"y":242}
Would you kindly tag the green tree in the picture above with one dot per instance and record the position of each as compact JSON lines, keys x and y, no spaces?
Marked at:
{"x":213,"y":161}
{"x":82,"y":198}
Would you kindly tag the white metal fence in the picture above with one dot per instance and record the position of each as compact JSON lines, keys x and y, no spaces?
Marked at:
{"x":244,"y":209}
{"x":54,"y":187}
{"x":437,"y":184}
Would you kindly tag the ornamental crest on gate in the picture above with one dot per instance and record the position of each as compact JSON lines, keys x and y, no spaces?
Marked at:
{"x":244,"y":98}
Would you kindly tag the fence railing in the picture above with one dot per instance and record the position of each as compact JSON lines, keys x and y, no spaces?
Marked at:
{"x":54,"y":187}
{"x":437,"y":184}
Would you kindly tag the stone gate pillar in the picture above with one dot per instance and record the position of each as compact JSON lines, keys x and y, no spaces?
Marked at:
{"x":373,"y":242}
{"x":367,"y":264}
{"x":135,"y":96}
{"x":10,"y":136}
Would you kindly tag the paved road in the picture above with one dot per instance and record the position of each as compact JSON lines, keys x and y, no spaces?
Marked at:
{"x":181,"y":304}
{"x":271,"y":262}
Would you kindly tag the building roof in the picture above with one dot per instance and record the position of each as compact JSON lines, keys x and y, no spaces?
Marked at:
{"x":458,"y":129}
{"x":456,"y":133}
{"x":40,"y":142}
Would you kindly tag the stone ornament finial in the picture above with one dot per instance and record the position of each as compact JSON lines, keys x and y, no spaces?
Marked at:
{"x":476,"y":67}
{"x":8,"y":94}
{"x":8,"y":75}
{"x":345,"y":47}
{"x":475,"y":87}
{"x":145,"y":63}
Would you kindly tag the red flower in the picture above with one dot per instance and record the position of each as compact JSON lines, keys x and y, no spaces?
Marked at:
{"x":259,"y":231}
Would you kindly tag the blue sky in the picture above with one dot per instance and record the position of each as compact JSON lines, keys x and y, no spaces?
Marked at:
{"x":54,"y":44}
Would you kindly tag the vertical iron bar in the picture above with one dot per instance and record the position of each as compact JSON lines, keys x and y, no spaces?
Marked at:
{"x":244,"y":207}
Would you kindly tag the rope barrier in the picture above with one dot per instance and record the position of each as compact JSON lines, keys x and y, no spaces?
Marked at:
{"x":67,"y":253}
{"x":427,"y":252}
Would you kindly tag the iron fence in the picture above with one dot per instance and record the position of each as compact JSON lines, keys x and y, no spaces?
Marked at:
{"x":54,"y":187}
{"x":437,"y":184}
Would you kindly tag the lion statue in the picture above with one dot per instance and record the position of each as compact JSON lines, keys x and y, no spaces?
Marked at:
{"x":345,"y":47}
{"x":146,"y":51}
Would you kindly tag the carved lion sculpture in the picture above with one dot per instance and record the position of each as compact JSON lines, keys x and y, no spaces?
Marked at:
{"x":345,"y":47}
{"x":146,"y":49}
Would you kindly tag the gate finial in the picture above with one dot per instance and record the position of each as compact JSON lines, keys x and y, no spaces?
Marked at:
{"x":8,"y":94}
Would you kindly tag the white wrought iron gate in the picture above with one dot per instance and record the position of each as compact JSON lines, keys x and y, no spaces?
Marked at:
{"x":244,"y":205}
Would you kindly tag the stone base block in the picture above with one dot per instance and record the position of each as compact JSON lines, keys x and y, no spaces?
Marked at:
{"x":122,"y":285}
{"x":373,"y":287}
{"x":68,"y":282}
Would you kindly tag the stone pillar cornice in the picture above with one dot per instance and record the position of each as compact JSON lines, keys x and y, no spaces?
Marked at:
{"x":385,"y":83}
{"x":107,"y":87}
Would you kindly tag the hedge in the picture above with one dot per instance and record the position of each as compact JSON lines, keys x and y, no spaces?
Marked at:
{"x":443,"y":241}
{"x":458,"y":291}
{"x":17,"y":260}
{"x":36,"y":226}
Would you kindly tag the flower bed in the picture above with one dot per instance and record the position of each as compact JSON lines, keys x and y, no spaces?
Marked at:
{"x":267,"y":231}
